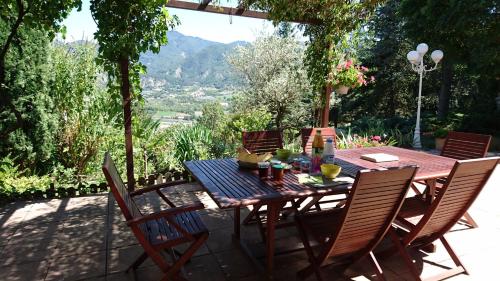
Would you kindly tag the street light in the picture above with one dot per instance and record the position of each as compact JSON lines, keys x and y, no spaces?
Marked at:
{"x":416,"y":58}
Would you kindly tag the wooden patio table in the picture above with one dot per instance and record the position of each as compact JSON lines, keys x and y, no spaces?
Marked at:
{"x":431,"y":167}
{"x":232,"y":187}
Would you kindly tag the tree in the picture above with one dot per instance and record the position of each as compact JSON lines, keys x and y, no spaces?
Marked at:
{"x":213,"y":118}
{"x":467,"y":32}
{"x":86,"y":114}
{"x":35,"y":15}
{"x":27,"y":122}
{"x":125,"y":30}
{"x":331,"y":21}
{"x":277,"y":80}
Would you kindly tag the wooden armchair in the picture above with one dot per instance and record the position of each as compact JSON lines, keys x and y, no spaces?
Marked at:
{"x":262,"y":141}
{"x":158,"y":231}
{"x":462,"y":187}
{"x":346,"y":235}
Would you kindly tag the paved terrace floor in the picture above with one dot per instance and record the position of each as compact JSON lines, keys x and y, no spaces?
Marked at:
{"x":85,"y":238}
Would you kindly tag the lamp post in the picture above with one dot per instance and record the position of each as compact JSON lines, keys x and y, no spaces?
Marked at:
{"x":416,"y":59}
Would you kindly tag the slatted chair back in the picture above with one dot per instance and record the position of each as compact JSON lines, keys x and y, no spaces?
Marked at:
{"x":460,"y":145}
{"x":464,"y":184}
{"x":373,"y":203}
{"x":307,"y":136}
{"x":120,"y":192}
{"x":262,"y":141}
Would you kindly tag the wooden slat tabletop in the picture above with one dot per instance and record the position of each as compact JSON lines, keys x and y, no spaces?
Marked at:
{"x":229,"y":186}
{"x":430,"y":166}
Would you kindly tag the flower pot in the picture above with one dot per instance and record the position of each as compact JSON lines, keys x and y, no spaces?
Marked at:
{"x":342,"y":90}
{"x":440,"y":143}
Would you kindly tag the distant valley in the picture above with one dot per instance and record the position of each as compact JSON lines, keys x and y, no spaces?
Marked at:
{"x":185,"y":74}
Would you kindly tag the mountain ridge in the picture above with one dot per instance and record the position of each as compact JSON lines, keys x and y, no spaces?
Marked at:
{"x":188,"y":61}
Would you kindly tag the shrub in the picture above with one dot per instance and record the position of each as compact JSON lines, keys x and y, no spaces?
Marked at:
{"x":349,"y":140}
{"x":192,"y":143}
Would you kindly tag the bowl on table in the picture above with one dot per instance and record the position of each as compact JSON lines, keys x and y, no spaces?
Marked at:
{"x":330,"y":171}
{"x":283,"y":154}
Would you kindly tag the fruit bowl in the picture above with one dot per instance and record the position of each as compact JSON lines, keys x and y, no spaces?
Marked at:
{"x":283,"y":154}
{"x":330,"y":171}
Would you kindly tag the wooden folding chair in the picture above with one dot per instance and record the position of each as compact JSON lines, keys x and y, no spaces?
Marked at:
{"x":159,"y":231}
{"x":462,"y":146}
{"x":307,"y":137}
{"x":346,"y":235}
{"x":262,"y":141}
{"x":462,"y":187}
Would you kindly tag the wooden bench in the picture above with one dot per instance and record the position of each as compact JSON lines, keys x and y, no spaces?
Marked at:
{"x":159,"y":231}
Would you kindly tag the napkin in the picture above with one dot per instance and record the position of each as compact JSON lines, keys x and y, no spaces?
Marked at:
{"x":320,"y":182}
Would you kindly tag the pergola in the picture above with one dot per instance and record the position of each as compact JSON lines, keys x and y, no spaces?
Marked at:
{"x":245,"y":11}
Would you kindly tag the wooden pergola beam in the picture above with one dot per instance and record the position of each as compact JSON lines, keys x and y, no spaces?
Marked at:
{"x":203,"y":5}
{"x":216,"y":10}
{"x":238,"y":11}
{"x":241,"y":8}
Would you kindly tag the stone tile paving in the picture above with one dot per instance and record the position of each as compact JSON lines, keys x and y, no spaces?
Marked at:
{"x":85,"y":238}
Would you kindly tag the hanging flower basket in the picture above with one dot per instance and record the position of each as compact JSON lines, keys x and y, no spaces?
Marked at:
{"x":341,"y":89}
{"x":347,"y":76}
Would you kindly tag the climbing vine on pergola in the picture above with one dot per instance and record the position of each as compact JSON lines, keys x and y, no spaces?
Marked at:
{"x":128,"y":28}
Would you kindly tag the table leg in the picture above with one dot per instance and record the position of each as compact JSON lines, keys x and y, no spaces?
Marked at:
{"x":431,"y":189}
{"x":236,"y":233}
{"x":273,"y":210}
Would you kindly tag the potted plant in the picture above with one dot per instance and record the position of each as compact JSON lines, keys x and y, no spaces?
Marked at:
{"x":440,"y":137}
{"x":348,"y":76}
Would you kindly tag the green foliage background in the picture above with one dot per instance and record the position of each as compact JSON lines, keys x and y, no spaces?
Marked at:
{"x":66,"y":110}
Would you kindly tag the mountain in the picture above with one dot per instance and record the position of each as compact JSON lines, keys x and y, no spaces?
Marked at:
{"x":189,"y":61}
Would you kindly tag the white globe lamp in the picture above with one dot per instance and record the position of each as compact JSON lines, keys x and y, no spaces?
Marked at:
{"x":422,"y":48}
{"x":437,"y":56}
{"x":413,"y":57}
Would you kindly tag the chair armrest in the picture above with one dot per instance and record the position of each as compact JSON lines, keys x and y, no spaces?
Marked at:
{"x":166,"y":213}
{"x":156,"y":187}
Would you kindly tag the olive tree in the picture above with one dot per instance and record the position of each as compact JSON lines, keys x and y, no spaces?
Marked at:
{"x":276,"y":79}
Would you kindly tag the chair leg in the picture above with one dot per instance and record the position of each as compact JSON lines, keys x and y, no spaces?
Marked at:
{"x":314,"y":266}
{"x":376,"y":266}
{"x":404,"y":254}
{"x":252,"y":214}
{"x":174,"y":270}
{"x":310,"y":204}
{"x":472,"y":223}
{"x":261,"y":227}
{"x":137,"y":262}
{"x":415,"y":189}
{"x":452,"y":254}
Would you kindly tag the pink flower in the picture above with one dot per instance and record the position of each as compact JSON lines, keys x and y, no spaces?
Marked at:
{"x":376,"y":138}
{"x":363,"y":68}
{"x":348,"y":64}
{"x":372,"y":78}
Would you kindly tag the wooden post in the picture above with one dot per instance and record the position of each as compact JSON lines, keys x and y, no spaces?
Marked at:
{"x":325,"y":115}
{"x":127,"y":116}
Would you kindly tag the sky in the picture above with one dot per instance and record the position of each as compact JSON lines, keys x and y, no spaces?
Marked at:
{"x":213,"y":27}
